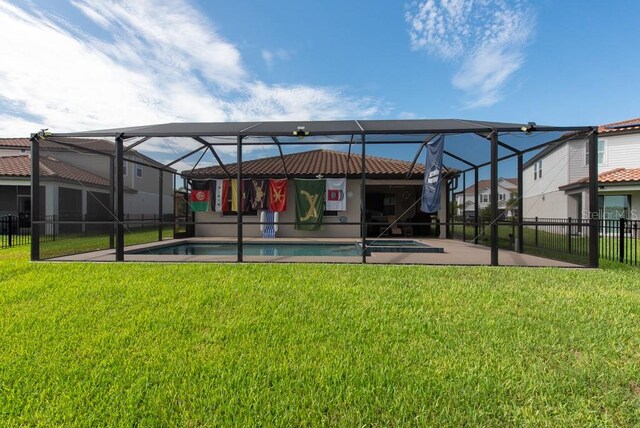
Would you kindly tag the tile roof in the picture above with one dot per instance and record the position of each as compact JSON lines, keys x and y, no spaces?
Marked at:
{"x":617,"y":175}
{"x":20,"y":166}
{"x":625,"y":125}
{"x":93,"y":144}
{"x":311,"y":163}
{"x":486,"y":183}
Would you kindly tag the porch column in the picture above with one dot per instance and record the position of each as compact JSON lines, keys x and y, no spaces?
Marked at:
{"x":494,"y":198}
{"x":363,"y":199}
{"x":593,"y":199}
{"x":119,"y":198}
{"x":520,"y":247}
{"x":35,"y":198}
{"x":239,"y":196}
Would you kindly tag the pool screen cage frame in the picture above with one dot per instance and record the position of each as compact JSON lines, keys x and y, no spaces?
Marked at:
{"x":426,"y":129}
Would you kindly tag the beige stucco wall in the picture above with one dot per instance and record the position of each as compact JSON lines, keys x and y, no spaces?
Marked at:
{"x":332,"y":230}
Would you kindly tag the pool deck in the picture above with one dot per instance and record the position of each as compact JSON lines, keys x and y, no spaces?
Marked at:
{"x":455,"y":253}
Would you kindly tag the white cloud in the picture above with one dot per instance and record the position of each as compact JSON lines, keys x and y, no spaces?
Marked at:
{"x":156,"y":62}
{"x":485,"y":37}
{"x":269,"y":56}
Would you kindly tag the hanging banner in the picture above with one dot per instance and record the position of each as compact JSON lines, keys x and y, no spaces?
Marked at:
{"x":234,"y":195}
{"x":224,"y":202}
{"x":244,"y":202}
{"x":336,"y":195}
{"x":258,"y":195}
{"x":278,"y":195}
{"x":200,"y":196}
{"x":432,"y":175}
{"x":216,"y":195}
{"x":246,"y":195}
{"x":309,"y":203}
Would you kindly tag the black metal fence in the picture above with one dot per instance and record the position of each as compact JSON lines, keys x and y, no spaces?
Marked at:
{"x":15,"y":230}
{"x":557,"y":238}
{"x":619,"y":240}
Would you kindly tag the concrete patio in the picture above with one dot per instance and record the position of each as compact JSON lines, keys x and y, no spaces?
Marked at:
{"x":455,"y":253}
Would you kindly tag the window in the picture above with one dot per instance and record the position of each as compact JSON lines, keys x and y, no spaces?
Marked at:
{"x":139,"y":171}
{"x":614,"y":207}
{"x":502,"y":197}
{"x":602,"y":152}
{"x":389,"y":204}
{"x":537,"y":170}
{"x":124,"y":168}
{"x":484,"y":198}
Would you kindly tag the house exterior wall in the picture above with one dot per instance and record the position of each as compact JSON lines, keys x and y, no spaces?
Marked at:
{"x":13,"y":152}
{"x":333,"y":230}
{"x":553,"y":205}
{"x":505,"y":188}
{"x":554,"y":175}
{"x":621,"y":151}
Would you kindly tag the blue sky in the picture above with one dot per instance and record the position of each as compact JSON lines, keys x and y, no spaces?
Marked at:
{"x":86,"y":64}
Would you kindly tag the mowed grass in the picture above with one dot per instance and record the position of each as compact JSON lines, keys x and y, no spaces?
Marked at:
{"x":306,"y":345}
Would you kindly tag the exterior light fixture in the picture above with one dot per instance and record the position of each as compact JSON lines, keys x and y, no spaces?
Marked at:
{"x":300,"y":132}
{"x":531,"y":126}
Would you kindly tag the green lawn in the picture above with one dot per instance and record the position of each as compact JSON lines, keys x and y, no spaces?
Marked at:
{"x":300,"y":345}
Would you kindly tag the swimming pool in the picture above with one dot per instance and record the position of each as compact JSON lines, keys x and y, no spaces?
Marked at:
{"x":327,"y":249}
{"x":255,"y":249}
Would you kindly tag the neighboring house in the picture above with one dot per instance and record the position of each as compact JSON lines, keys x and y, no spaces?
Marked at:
{"x":390,"y":195}
{"x":556,"y":179}
{"x":507,"y":191}
{"x":74,"y":184}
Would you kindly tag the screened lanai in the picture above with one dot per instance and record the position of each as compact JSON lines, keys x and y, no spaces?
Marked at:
{"x":474,"y":152}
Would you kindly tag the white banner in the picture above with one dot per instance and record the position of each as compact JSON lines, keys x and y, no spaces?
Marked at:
{"x":218,"y":195}
{"x":336,"y":195}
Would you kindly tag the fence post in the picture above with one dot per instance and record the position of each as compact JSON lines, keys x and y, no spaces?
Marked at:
{"x":569,"y":236}
{"x":536,"y":231}
{"x":621,"y":230}
{"x":10,"y":230}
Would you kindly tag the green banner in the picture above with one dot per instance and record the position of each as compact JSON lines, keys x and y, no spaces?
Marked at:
{"x":309,"y":204}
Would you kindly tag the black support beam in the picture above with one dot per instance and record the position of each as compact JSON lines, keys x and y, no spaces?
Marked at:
{"x":239,"y":197}
{"x":593,"y":200}
{"x":35,"y":198}
{"x":284,"y":164}
{"x":214,"y":153}
{"x":476,"y":208}
{"x":520,"y":246}
{"x":494,"y":199}
{"x":363,"y":198}
{"x":119,"y":199}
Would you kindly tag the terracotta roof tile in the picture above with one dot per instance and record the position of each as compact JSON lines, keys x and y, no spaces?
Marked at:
{"x":625,"y":125}
{"x":20,"y":166}
{"x":312,"y":163}
{"x":486,"y":183}
{"x":617,"y":175}
{"x":93,"y":144}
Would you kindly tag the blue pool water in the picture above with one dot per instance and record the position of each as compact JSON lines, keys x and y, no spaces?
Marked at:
{"x":255,"y":249}
{"x":333,"y":249}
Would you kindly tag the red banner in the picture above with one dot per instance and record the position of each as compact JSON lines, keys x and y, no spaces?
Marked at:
{"x":278,"y":195}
